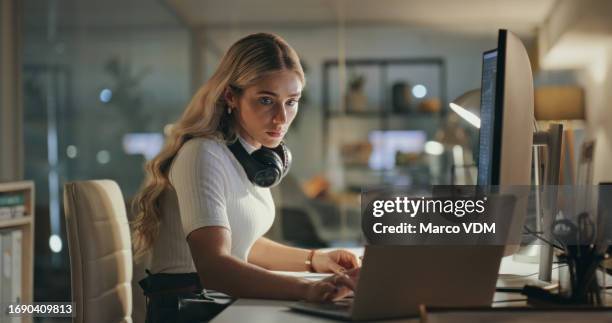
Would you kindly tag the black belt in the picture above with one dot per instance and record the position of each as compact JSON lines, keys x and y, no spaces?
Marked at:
{"x":168,"y":284}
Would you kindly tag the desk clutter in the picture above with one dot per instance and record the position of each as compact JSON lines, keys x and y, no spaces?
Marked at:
{"x":517,"y":315}
{"x":582,"y":233}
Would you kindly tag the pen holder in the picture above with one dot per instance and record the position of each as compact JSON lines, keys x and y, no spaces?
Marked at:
{"x":582,"y":280}
{"x":582,"y":229}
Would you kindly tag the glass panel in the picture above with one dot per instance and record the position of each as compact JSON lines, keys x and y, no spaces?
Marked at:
{"x":100,"y":81}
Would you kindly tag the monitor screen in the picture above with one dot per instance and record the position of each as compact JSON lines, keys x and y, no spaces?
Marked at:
{"x":487,"y":117}
{"x":146,"y":144}
{"x":386,"y":144}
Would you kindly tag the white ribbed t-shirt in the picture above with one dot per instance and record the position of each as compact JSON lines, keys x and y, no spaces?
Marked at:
{"x":210,"y":188}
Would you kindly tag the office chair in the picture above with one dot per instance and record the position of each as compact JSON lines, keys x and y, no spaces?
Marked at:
{"x":298,"y":228}
{"x":100,"y":251}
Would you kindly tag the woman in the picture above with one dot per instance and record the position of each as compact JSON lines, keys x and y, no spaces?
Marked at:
{"x":240,"y":115}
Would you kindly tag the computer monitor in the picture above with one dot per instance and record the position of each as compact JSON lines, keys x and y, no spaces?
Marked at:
{"x":506,"y":130}
{"x":148,"y":144}
{"x":506,"y":110}
{"x":387,"y":143}
{"x":487,"y":120}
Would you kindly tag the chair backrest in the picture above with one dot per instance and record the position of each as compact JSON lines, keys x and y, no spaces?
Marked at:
{"x":100,"y":251}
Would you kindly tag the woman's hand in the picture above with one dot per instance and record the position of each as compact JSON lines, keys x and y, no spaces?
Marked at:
{"x":337,"y":261}
{"x":331,"y":288}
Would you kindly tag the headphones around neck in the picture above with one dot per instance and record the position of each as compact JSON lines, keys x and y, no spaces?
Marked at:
{"x":265,"y":167}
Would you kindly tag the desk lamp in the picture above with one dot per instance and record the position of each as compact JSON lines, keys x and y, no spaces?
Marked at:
{"x":466,"y":107}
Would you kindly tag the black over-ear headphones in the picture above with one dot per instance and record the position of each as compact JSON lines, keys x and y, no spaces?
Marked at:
{"x":265,"y":167}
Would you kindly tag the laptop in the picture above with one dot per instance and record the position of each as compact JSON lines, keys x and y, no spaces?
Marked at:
{"x":395,"y":280}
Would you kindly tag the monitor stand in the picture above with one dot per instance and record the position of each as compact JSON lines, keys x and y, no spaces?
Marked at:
{"x":546,"y":201}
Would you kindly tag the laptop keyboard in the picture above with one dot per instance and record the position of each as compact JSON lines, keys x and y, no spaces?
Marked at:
{"x":341,"y":304}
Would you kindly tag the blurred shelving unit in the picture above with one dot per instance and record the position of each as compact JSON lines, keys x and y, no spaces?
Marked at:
{"x":17,"y":249}
{"x":379,"y":81}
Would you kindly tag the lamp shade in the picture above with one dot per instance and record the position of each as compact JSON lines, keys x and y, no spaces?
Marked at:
{"x":467,"y":106}
{"x":559,"y":103}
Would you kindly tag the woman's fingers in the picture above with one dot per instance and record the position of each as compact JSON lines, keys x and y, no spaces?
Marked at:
{"x":328,"y":291}
{"x":354,"y":273}
{"x":348,"y":260}
{"x":333,"y":288}
{"x":342,"y":293}
{"x":338,"y":261}
{"x":344,"y":286}
{"x":354,"y":261}
{"x":343,"y":280}
{"x":336,"y":268}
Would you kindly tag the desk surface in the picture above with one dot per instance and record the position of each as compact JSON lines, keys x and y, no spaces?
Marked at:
{"x":266,"y":311}
{"x":511,"y":274}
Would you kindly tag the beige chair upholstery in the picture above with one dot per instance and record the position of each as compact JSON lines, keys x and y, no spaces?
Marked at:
{"x":100,"y":251}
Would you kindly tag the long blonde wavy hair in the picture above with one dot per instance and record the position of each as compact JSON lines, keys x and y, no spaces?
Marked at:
{"x":243,"y":64}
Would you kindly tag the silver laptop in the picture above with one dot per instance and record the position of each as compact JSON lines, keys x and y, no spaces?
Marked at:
{"x":395,"y":280}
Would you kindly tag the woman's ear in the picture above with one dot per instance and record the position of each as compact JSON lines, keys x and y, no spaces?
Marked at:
{"x":230,"y":98}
